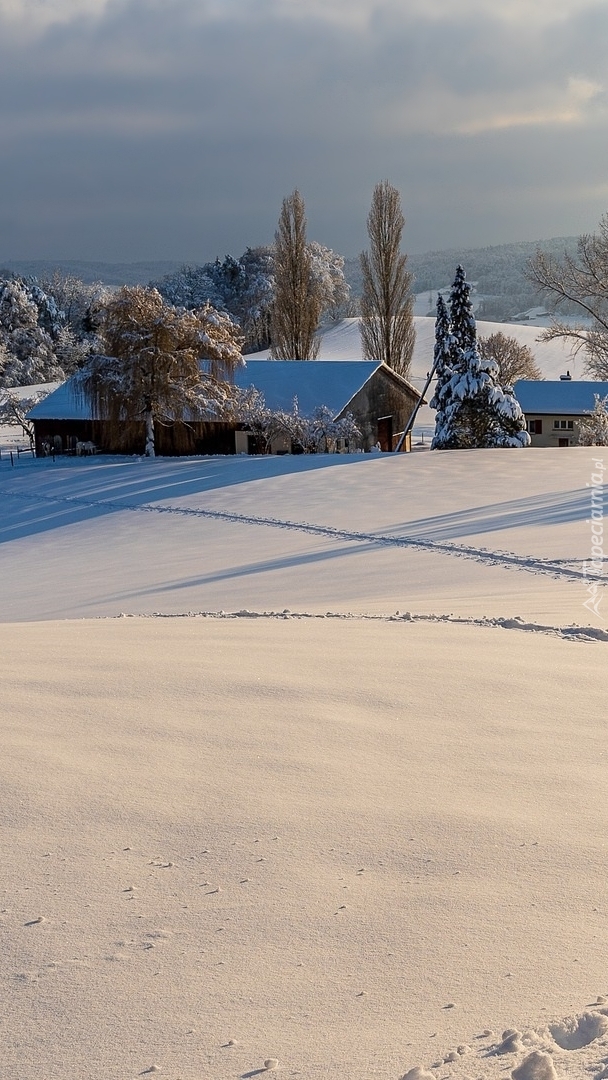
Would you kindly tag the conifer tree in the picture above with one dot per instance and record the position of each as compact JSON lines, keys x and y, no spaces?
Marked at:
{"x":462,"y":320}
{"x":442,"y":355}
{"x":473,"y":410}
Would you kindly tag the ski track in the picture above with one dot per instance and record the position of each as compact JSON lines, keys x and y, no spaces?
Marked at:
{"x":530,"y":564}
{"x":568,"y":633}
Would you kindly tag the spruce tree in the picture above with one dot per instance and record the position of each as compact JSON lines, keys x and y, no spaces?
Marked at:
{"x":462,"y":320}
{"x":442,"y":355}
{"x":473,"y":410}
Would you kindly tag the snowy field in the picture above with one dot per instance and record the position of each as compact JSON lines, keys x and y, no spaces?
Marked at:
{"x":303,"y":759}
{"x":352,"y":817}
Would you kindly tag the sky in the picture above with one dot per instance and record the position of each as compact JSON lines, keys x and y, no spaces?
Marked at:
{"x":172,"y":129}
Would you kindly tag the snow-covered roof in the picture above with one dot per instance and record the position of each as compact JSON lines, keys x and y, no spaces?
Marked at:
{"x":62,"y":404}
{"x":568,"y":397}
{"x":313,"y":382}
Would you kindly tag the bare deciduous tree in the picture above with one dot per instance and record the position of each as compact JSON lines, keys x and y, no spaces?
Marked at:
{"x":515,"y":361}
{"x":581,"y":279}
{"x":387,"y":324}
{"x":164,"y":364}
{"x":297,"y":302}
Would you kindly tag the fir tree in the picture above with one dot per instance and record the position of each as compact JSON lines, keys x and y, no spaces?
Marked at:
{"x":442,"y":355}
{"x":473,"y":410}
{"x":462,"y":320}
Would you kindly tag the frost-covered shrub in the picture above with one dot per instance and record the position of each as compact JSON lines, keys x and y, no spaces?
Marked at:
{"x":594,"y":430}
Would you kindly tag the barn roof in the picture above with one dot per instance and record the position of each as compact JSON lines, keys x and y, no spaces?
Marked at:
{"x":314,"y":382}
{"x":63,"y":404}
{"x":568,"y":397}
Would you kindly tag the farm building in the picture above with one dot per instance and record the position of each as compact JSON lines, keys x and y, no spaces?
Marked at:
{"x":380,"y":400}
{"x":554,"y":408}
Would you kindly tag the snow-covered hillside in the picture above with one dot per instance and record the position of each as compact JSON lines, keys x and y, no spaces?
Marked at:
{"x":343,"y":342}
{"x":352,"y":817}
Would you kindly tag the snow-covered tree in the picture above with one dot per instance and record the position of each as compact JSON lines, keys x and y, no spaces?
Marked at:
{"x":311,"y":435}
{"x":38,"y":341}
{"x":163,"y":364}
{"x":442,"y":355}
{"x":473,"y":410}
{"x":14,"y":410}
{"x":594,"y":430}
{"x":26,"y":354}
{"x":328,"y":274}
{"x":243,"y":288}
{"x":387,"y":322}
{"x":462,"y":320}
{"x":75,"y":301}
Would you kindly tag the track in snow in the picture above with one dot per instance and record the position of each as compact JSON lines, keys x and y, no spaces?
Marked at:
{"x":569,"y":633}
{"x":528,"y":563}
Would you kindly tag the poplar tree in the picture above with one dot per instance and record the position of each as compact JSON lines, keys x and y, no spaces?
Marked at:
{"x":297,"y":305}
{"x":387,"y":321}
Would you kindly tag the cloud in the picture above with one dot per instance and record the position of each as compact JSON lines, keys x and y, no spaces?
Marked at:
{"x":32,"y":17}
{"x":437,"y":109}
{"x":215,"y":109}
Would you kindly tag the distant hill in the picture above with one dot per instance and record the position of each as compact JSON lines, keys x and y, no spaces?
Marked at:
{"x":499,"y":273}
{"x":138,"y":273}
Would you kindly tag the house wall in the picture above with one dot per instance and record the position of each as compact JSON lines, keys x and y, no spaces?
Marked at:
{"x":380,"y":397}
{"x":550,"y":434}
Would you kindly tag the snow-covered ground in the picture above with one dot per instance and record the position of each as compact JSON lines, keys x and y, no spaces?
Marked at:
{"x":352,"y":818}
{"x":302,"y":759}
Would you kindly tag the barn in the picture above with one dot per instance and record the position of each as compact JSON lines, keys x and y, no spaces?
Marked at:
{"x":380,"y":400}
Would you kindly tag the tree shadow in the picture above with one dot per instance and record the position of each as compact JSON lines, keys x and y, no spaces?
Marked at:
{"x":41,"y":495}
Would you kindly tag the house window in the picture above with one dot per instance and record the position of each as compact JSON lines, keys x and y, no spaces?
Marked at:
{"x":535,"y":427}
{"x":564,"y":425}
{"x":570,"y":425}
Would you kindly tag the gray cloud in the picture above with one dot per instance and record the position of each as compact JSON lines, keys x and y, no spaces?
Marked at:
{"x":147,"y":130}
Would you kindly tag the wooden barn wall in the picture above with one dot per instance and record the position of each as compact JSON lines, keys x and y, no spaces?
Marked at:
{"x":173,"y":441}
{"x":381,"y":396}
